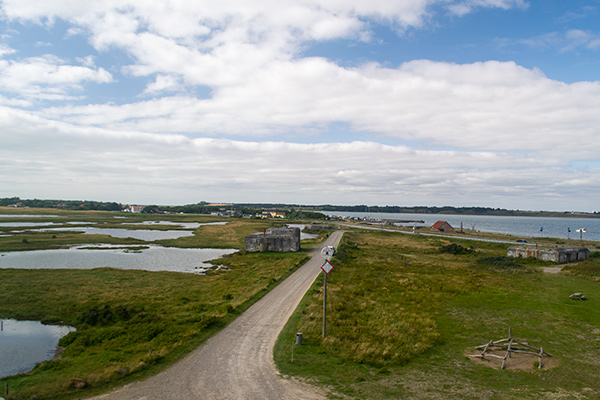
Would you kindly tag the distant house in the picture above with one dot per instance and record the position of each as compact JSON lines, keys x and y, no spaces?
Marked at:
{"x":134,"y":209}
{"x":273,"y":214}
{"x":442,"y":226}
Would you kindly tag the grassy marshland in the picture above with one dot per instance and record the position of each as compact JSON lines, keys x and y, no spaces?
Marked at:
{"x":131,"y":323}
{"x":122,"y":314}
{"x":404,"y":311}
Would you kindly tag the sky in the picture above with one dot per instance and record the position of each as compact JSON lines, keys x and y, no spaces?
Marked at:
{"x":488,"y":103}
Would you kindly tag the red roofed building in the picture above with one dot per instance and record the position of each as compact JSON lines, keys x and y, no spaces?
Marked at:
{"x":442,"y":226}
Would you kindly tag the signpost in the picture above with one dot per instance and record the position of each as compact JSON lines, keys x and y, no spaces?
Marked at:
{"x":581,"y":232}
{"x":327,"y":253}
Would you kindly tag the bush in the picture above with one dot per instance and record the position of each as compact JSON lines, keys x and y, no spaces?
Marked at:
{"x":105,"y":315}
{"x":456,"y":249}
{"x":501,"y":263}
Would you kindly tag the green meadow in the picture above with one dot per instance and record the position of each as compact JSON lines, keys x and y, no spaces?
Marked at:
{"x":406,"y":311}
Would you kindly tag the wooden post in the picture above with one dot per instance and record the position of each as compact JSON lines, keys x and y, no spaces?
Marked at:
{"x":486,"y":347}
{"x":507,"y":353}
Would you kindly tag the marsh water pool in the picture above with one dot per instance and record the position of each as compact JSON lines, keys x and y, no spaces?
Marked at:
{"x":148,"y":258}
{"x":23,"y":344}
{"x":148,"y":235}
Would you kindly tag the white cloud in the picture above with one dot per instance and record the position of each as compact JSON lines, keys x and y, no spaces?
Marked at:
{"x":68,"y":160}
{"x":226,"y":41}
{"x":572,"y":40}
{"x":514,"y":134}
{"x":47,"y":77}
{"x":580,"y":38}
{"x":464,"y":7}
{"x":482,"y":106}
{"x":164,"y":83}
{"x":5,"y":50}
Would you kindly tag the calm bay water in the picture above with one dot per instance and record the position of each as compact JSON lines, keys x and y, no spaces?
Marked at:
{"x":528,"y":227}
{"x":23,"y":344}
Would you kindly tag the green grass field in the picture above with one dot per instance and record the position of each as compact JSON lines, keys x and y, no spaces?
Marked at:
{"x":403,"y":316}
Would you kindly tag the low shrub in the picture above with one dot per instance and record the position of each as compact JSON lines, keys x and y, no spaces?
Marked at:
{"x":501,"y":263}
{"x":104,"y":315}
{"x":456,"y":249}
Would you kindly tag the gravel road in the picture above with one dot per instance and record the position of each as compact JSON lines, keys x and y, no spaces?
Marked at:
{"x":238,"y":363}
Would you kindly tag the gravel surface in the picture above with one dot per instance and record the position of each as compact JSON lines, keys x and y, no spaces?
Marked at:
{"x":238,"y":363}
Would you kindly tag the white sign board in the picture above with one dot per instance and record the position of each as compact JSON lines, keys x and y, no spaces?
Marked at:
{"x":328,"y":252}
{"x":327,"y":267}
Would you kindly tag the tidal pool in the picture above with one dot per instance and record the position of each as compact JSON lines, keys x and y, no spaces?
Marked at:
{"x":25,"y":224}
{"x":186,"y":225}
{"x":147,"y":235}
{"x":27,"y":216}
{"x":148,"y":258}
{"x":23,"y":344}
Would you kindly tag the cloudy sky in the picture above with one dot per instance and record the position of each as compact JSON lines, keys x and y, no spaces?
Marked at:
{"x":492,"y":103}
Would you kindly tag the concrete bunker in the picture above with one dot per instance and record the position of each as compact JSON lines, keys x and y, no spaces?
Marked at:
{"x":274,"y":239}
{"x":559,"y":255}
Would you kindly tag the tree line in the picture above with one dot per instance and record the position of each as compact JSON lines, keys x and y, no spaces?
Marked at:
{"x":295,"y":210}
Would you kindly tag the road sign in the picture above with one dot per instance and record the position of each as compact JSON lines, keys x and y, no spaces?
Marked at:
{"x":327,"y":267}
{"x":327,"y":252}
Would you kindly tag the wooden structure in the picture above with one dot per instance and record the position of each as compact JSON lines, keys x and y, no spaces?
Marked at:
{"x":511,"y":345}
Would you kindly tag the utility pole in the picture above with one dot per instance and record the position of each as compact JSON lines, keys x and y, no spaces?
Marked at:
{"x":324,"y":304}
{"x":327,"y":253}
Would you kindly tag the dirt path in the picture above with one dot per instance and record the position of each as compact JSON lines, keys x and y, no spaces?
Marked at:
{"x":238,"y":363}
{"x":552,"y":270}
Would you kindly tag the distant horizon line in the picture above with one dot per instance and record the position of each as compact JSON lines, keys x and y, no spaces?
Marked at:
{"x":336,"y":207}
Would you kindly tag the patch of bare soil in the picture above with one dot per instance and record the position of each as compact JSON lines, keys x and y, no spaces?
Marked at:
{"x":516,"y":362}
{"x":552,"y":270}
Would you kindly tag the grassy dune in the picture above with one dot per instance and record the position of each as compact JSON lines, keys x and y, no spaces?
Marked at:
{"x":405,"y":311}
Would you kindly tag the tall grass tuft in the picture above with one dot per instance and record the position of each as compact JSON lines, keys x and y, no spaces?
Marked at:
{"x":501,"y":263}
